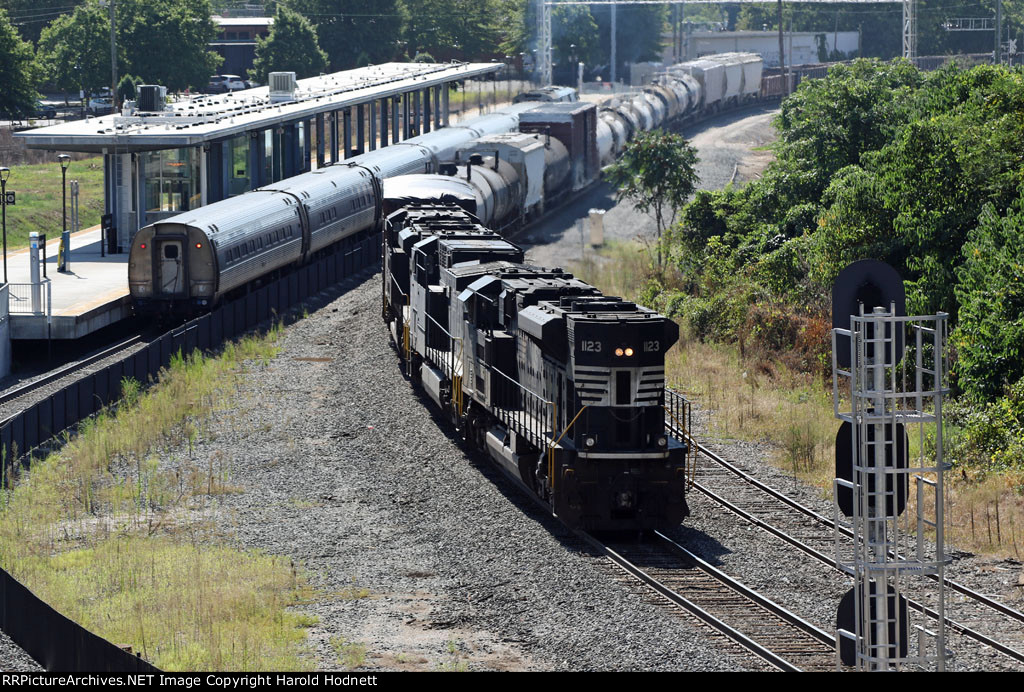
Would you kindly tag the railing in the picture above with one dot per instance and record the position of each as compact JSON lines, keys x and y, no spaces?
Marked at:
{"x":30,"y":299}
{"x":680,"y":426}
{"x":524,"y":412}
{"x":441,"y":348}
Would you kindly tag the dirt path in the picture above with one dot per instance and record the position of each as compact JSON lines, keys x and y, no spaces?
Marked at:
{"x":730,"y":148}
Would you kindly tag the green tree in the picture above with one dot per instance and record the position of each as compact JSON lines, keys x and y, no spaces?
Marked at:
{"x":828,"y":123}
{"x":353,"y":32}
{"x":291,"y":46}
{"x":639,"y":30}
{"x":127,"y":87}
{"x":167,"y":41}
{"x":453,"y":29}
{"x":657,"y":173}
{"x":574,"y":34}
{"x":74,"y":49}
{"x":17,"y":73}
{"x":31,"y":16}
{"x":990,"y":334}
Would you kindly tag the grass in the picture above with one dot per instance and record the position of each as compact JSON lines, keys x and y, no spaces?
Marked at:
{"x":453,"y":662}
{"x":757,"y":397}
{"x":39,"y":205}
{"x":350,"y":654}
{"x":118,"y":536}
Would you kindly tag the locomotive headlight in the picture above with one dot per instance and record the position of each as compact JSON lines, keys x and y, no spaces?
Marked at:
{"x":619,"y":352}
{"x":589,"y":442}
{"x":629,"y":351}
{"x":663,"y":441}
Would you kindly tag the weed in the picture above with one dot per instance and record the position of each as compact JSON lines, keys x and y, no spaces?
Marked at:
{"x":109,"y":530}
{"x":350,"y":654}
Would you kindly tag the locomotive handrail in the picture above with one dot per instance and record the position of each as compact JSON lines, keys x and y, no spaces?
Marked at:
{"x":551,"y":449}
{"x":443,"y":357}
{"x":533,"y":418}
{"x":675,"y":400}
{"x":399,"y":289}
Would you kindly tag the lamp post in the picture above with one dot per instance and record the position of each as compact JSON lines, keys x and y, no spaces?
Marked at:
{"x":5,"y":173}
{"x":65,"y":237}
{"x":508,"y":78}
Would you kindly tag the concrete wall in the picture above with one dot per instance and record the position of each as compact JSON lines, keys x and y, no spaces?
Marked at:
{"x":5,"y":331}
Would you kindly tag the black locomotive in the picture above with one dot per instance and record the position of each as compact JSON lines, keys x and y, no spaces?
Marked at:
{"x":564,"y":387}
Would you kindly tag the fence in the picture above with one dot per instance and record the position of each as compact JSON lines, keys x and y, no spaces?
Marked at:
{"x":30,"y":299}
{"x":51,"y":639}
{"x":55,"y":642}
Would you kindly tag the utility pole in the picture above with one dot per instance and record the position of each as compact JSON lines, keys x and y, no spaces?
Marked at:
{"x":782,"y":53}
{"x":997,"y":56}
{"x":614,"y":57}
{"x":113,"y":58}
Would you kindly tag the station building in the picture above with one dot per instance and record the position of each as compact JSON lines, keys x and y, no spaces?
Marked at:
{"x":236,"y":41}
{"x":171,"y":155}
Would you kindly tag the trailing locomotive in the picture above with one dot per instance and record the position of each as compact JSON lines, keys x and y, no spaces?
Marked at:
{"x":562,"y":386}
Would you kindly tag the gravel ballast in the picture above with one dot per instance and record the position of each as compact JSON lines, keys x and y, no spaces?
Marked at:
{"x":345,"y":469}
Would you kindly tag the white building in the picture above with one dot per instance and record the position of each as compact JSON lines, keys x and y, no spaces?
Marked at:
{"x":801,"y":47}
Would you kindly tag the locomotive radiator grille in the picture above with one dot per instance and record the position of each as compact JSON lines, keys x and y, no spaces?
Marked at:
{"x":593,"y":385}
{"x":645,"y":386}
{"x":651,"y":384}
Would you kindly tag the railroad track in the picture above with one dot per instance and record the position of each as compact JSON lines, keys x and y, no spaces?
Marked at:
{"x":814,"y":535}
{"x":735,"y":611}
{"x":17,"y":398}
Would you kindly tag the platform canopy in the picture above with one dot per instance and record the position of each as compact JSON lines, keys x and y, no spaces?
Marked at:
{"x":195,"y":120}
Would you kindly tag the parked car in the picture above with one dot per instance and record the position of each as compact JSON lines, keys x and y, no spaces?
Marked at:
{"x":45,"y":111}
{"x":99,"y":105}
{"x":221,"y":83}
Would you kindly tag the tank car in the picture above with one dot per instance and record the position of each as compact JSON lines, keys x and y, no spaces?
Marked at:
{"x":562,"y":386}
{"x":619,"y":127}
{"x":605,"y":142}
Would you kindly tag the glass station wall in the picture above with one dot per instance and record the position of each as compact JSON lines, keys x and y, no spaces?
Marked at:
{"x":171,"y":181}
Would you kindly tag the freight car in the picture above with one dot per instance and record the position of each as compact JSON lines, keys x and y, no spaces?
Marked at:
{"x":562,"y":386}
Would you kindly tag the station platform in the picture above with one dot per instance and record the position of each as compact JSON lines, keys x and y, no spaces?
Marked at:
{"x":93,"y":295}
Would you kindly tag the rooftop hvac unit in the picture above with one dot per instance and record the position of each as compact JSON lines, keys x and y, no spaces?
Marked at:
{"x":152,"y":98}
{"x":282,"y":86}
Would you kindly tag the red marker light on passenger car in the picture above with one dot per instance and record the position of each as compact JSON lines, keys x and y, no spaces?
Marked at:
{"x":143,"y":246}
{"x":199,"y":246}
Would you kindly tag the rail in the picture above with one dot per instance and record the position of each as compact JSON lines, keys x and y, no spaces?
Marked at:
{"x":828,"y":560}
{"x":724,"y":603}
